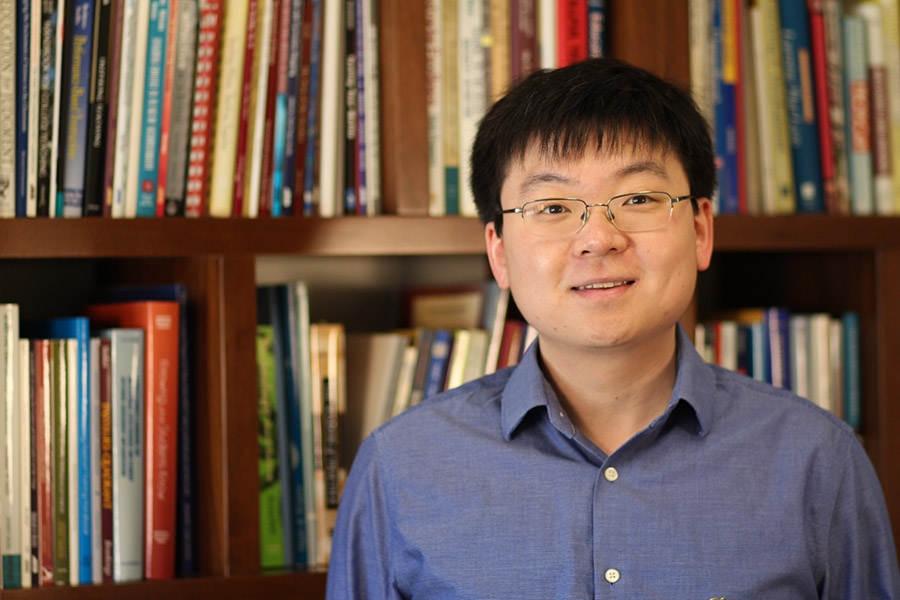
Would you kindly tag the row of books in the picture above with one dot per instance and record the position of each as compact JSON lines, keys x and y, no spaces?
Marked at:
{"x":91,"y":426}
{"x":323,"y":389}
{"x":804,"y":100}
{"x":153,"y":108}
{"x":474,"y":49}
{"x":816,"y":355}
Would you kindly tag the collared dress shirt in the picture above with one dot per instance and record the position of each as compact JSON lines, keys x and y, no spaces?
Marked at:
{"x":738,"y":491}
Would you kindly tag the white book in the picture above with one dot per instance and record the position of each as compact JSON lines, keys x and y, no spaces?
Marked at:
{"x":263,"y":49}
{"x":547,"y":33}
{"x":228,"y":108}
{"x":331,"y":131}
{"x":473,"y":93}
{"x":8,"y":92}
{"x":125,"y":109}
{"x":891,"y":9}
{"x":799,"y":343}
{"x":135,"y":110}
{"x":437,"y":201}
{"x":405,"y":379}
{"x":372,"y":106}
{"x":819,"y":359}
{"x":127,"y":394}
{"x":10,"y":467}
{"x":24,"y":457}
{"x":70,"y":350}
{"x":836,"y":366}
{"x":96,"y":495}
{"x":34,"y":102}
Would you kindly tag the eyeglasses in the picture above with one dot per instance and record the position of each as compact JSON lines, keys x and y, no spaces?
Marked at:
{"x":634,"y":212}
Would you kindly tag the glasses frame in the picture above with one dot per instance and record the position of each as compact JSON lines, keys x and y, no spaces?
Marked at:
{"x":520,"y":210}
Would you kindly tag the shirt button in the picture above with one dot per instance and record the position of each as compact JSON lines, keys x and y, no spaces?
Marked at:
{"x":611,"y":575}
{"x":611,"y":474}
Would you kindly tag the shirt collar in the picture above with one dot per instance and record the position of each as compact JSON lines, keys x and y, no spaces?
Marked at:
{"x":527,"y":388}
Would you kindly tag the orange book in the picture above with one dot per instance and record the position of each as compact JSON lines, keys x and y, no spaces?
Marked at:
{"x":159,"y":320}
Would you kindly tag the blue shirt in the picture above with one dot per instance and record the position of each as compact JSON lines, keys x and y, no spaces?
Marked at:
{"x":739,"y":491}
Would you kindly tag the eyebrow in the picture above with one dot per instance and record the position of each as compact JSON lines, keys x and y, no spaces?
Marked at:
{"x":535,"y":180}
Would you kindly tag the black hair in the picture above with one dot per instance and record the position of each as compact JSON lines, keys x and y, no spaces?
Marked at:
{"x":599,"y":100}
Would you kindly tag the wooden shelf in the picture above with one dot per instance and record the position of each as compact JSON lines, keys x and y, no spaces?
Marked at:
{"x":385,"y":236}
{"x":287,"y":585}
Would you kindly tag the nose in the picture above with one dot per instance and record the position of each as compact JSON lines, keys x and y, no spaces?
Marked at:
{"x":599,"y":236}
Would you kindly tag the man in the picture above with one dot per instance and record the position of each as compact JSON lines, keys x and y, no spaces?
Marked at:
{"x":611,"y":462}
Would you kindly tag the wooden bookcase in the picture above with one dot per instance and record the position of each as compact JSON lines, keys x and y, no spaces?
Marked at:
{"x":804,"y":262}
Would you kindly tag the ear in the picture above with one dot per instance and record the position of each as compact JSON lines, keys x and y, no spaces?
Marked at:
{"x":496,"y":252}
{"x":703,"y":233}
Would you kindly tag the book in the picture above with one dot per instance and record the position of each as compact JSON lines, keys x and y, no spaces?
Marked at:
{"x":47,"y":118}
{"x":227,"y":113}
{"x":348,"y":188}
{"x":77,"y":57}
{"x":132,"y":158}
{"x":819,"y":60}
{"x":331,"y":107}
{"x":472,"y":94}
{"x":450,"y":79}
{"x":547,"y":32}
{"x":23,"y":87}
{"x":42,"y":485}
{"x":289,"y":166}
{"x":455,"y":307}
{"x":327,"y":356}
{"x":26,"y":459}
{"x":117,"y":32}
{"x":262,"y":175}
{"x":434,"y":103}
{"x":524,"y":39}
{"x":159,"y":320}
{"x":467,"y":356}
{"x":8,"y":102}
{"x":873,"y":18}
{"x":774,"y":134}
{"x":105,"y":456}
{"x":95,"y":536}
{"x":311,"y":173}
{"x":852,"y":381}
{"x":834,"y":58}
{"x":251,"y":52}
{"x":186,"y":528}
{"x":98,"y":108}
{"x":175,"y":141}
{"x":801,"y":109}
{"x":858,"y":123}
{"x":11,"y":501}
{"x":596,"y":24}
{"x":726,"y":104}
{"x":283,"y":59}
{"x":257,"y":108}
{"x":571,"y":32}
{"x":62,"y":455}
{"x":78,"y":329}
{"x":891,"y":31}
{"x":128,"y":414}
{"x":499,"y":18}
{"x":271,"y":525}
{"x":203,"y":107}
{"x":438,"y":362}
{"x":34,"y":98}
{"x":370,"y":109}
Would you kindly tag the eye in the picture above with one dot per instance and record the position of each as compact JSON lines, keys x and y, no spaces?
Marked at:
{"x":638,"y":199}
{"x":549,"y":208}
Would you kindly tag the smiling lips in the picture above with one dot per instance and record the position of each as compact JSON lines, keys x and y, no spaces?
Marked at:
{"x":602,"y":286}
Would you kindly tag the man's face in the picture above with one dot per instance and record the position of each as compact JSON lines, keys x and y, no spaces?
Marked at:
{"x":600,"y":288}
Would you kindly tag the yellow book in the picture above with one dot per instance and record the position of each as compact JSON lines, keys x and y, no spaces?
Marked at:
{"x":891,"y":31}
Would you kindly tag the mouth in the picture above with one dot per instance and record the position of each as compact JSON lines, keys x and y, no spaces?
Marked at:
{"x":606,"y":285}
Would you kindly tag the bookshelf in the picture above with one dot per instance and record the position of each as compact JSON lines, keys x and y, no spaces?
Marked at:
{"x":805,"y":262}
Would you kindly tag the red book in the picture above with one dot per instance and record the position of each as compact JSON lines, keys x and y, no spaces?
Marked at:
{"x":823,"y":103}
{"x":524,"y":55}
{"x":159,"y":320}
{"x":43,"y":440}
{"x":511,"y":343}
{"x":240,"y":167}
{"x":265,"y":189}
{"x":572,"y":29}
{"x":106,"y":461}
{"x":211,"y":14}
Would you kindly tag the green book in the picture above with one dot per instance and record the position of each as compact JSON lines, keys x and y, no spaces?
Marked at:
{"x":271,"y":527}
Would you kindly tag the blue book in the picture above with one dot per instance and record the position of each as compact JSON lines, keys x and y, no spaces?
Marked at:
{"x":800,"y":94}
{"x":77,"y":328}
{"x":186,"y":527}
{"x":98,"y":107}
{"x":23,"y":60}
{"x":148,"y":180}
{"x":725,"y":105}
{"x":291,"y":95}
{"x":439,"y":359}
{"x":77,"y":48}
{"x":852,"y":370}
{"x":596,"y":27}
{"x":310,"y":168}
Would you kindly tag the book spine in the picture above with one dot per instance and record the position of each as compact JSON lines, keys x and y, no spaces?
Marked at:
{"x":523,"y":40}
{"x":133,"y":157}
{"x":858,"y":127}
{"x":59,"y":462}
{"x":106,"y":460}
{"x":438,"y":363}
{"x":228,"y":98}
{"x":257,"y":110}
{"x":267,"y":159}
{"x":300,"y":141}
{"x":116,"y":43}
{"x":25,"y":457}
{"x":203,"y":108}
{"x":371,"y":107}
{"x":34,"y":104}
{"x":180,"y":120}
{"x":78,"y":58}
{"x":800,"y":96}
{"x":837,"y":114}
{"x":819,"y":60}
{"x":127,"y":397}
{"x":450,"y":106}
{"x":362,"y":194}
{"x":547,"y":33}
{"x":311,"y":183}
{"x":240,"y":162}
{"x":71,"y":384}
{"x":433,"y":99}
{"x":8,"y":101}
{"x":98,"y":108}
{"x":572,"y":29}
{"x":727,"y":71}
{"x":42,"y":553}
{"x":165,"y":108}
{"x":891,"y":27}
{"x":45,"y":119}
{"x":472,"y":93}
{"x":10,"y":465}
{"x":852,"y":369}
{"x":596,"y":25}
{"x":500,"y":57}
{"x":271,"y":528}
{"x":23,"y":93}
{"x":349,"y":191}
{"x":289,"y":166}
{"x":331,"y":135}
{"x":152,"y":107}
{"x":95,"y":534}
{"x":124,"y":108}
{"x":878,"y":111}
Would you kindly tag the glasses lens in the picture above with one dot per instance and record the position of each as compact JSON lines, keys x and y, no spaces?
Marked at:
{"x":643,"y":211}
{"x":553,"y":216}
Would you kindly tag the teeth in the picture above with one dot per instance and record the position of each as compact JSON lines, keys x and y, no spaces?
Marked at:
{"x":602,"y":286}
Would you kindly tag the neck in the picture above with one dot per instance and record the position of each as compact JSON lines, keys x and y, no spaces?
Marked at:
{"x":611,"y":394}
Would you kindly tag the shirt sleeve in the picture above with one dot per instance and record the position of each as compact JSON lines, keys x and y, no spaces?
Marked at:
{"x":360,"y":566}
{"x":862,"y":558}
